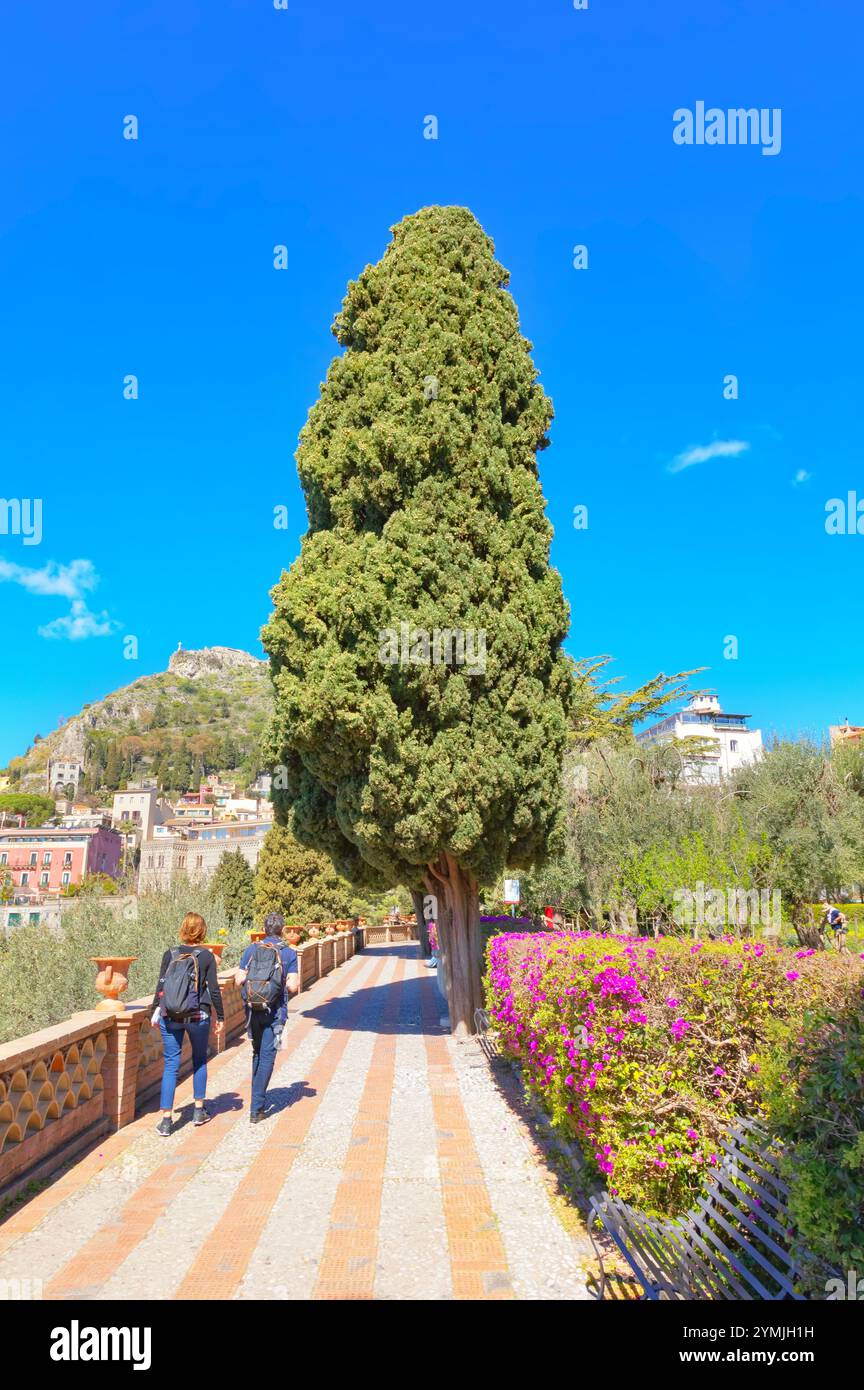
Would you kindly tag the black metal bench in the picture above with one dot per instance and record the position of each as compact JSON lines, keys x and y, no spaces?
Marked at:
{"x":733,"y":1244}
{"x":485,"y":1034}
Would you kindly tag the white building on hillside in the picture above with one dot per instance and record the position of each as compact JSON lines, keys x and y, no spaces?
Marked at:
{"x":731,"y":743}
{"x":138,"y":809}
{"x":62,"y":774}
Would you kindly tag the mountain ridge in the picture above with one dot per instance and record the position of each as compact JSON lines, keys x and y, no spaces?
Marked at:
{"x":210,"y":707}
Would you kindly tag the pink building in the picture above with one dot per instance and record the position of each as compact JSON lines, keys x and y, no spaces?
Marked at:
{"x":45,"y":860}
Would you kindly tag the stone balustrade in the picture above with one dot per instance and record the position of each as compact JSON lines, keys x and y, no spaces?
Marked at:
{"x":405,"y":929}
{"x":52,"y":1091}
{"x":63,"y":1088}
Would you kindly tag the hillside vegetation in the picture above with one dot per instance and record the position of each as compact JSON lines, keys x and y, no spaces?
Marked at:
{"x":205,"y":714}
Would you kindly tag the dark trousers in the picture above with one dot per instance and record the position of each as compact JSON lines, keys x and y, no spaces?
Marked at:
{"x":263,"y":1054}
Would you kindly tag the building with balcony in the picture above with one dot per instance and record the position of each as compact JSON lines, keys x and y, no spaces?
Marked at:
{"x":48,"y":859}
{"x":138,"y":809}
{"x":198,"y":851}
{"x":729,"y":743}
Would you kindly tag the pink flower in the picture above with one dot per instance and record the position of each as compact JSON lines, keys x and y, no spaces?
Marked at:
{"x":792,"y":975}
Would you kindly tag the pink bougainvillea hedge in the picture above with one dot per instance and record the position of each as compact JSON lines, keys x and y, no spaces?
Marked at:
{"x":646,"y":1051}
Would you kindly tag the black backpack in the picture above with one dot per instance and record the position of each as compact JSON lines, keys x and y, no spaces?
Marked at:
{"x":181,"y":985}
{"x":264,"y":977}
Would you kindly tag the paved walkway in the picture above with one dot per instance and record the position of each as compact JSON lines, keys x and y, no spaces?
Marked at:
{"x":392,"y":1167}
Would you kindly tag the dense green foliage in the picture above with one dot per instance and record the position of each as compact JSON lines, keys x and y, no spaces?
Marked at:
{"x":815,"y":1103}
{"x":233,"y":885}
{"x":37,"y":809}
{"x":636,"y":834}
{"x":45,"y":975}
{"x":425,"y":509}
{"x":298,"y":882}
{"x":92,"y":884}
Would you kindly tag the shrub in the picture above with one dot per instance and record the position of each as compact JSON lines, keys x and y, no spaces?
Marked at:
{"x":814,"y":1099}
{"x":37,"y":809}
{"x":645,"y":1052}
{"x":46,"y":975}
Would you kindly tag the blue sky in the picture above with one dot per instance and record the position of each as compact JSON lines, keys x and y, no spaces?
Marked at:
{"x":260,"y":127}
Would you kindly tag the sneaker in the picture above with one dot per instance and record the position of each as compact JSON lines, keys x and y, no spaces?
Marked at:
{"x":164,"y":1127}
{"x":201,"y":1115}
{"x":255,"y":1116}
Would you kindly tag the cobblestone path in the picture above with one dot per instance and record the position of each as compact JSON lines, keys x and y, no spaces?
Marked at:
{"x":392,"y":1167}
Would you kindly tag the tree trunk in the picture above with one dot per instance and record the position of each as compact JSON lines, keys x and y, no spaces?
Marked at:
{"x":807,"y":929}
{"x":459,"y":943}
{"x":417,"y":896}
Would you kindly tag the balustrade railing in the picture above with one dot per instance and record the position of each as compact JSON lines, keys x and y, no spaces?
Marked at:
{"x":63,"y":1088}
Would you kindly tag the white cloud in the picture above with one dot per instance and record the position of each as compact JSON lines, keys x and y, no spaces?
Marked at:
{"x":703,"y":453}
{"x":80,"y":623}
{"x":70,"y":581}
{"x":802,"y":476}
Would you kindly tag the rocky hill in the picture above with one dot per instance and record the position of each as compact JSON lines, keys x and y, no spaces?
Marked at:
{"x":205,"y":714}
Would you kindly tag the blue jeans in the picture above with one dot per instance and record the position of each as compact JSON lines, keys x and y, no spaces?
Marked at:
{"x":261,"y":1023}
{"x":172,"y":1046}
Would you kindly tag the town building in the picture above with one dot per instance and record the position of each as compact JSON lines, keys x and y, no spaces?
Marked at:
{"x":247,"y":808}
{"x":63,"y":773}
{"x":86,"y":818}
{"x":845,"y":733}
{"x":729,"y":743}
{"x":138,"y":808}
{"x":47,"y":859}
{"x":193,"y":814}
{"x":198,"y":851}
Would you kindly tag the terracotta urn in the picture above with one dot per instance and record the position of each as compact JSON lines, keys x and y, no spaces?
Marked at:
{"x":330,"y":929}
{"x":112,"y":979}
{"x":257,"y":935}
{"x":293,"y":936}
{"x":215,"y":948}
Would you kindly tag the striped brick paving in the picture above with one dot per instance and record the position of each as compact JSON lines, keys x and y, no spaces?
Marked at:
{"x":391,"y":1167}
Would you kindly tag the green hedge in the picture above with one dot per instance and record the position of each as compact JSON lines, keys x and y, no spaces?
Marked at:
{"x":813,"y":1089}
{"x":47,"y":975}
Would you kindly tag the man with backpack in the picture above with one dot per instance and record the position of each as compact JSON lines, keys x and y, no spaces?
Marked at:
{"x":267,"y":974}
{"x":836,"y":921}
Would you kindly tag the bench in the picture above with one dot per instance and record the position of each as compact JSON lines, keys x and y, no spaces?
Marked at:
{"x":733,"y":1244}
{"x":485,"y":1034}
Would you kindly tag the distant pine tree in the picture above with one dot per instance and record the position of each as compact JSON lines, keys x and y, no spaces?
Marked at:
{"x":233,"y":884}
{"x":298,"y":882}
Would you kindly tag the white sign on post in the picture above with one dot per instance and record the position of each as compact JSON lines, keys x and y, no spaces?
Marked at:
{"x":511,"y":890}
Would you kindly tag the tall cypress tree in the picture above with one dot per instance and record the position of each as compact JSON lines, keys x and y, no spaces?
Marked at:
{"x":404,"y":752}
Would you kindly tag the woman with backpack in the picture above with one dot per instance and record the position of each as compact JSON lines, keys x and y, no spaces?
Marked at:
{"x":187,"y":992}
